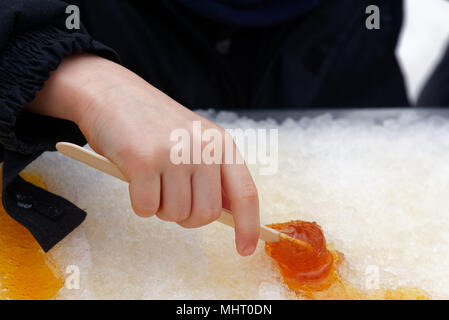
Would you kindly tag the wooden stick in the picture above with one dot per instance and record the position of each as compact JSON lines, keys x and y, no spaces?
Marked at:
{"x":266,"y":234}
{"x":101,"y":163}
{"x":90,"y":158}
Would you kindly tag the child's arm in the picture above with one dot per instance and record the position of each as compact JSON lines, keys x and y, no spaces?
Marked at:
{"x":130,"y":122}
{"x":33,"y":41}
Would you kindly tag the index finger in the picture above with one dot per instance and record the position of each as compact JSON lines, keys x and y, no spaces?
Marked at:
{"x":241,"y":192}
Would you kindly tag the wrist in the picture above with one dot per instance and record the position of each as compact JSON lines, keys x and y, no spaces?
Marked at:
{"x":83,"y":80}
{"x":73,"y":88}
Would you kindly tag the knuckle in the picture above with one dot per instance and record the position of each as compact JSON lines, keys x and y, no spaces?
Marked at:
{"x":248,"y":192}
{"x":207,"y":215}
{"x":126,"y":153}
{"x":182,"y":207}
{"x":144,"y":164}
{"x":143,"y":202}
{"x":175,"y":214}
{"x":134,"y":161}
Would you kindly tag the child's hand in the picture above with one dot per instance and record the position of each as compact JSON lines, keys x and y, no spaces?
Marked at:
{"x":130,"y":122}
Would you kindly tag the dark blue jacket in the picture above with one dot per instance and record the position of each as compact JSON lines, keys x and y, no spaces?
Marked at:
{"x":251,"y":13}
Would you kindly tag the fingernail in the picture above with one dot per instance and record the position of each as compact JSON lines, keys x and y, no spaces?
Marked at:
{"x":248,"y":250}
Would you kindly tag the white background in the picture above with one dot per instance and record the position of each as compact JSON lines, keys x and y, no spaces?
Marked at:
{"x":424,"y":38}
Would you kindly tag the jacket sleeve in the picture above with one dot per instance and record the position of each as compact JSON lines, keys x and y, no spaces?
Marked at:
{"x":33,"y":42}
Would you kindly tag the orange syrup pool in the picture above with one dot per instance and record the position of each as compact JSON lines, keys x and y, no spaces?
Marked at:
{"x":26,"y":271}
{"x":312,"y":272}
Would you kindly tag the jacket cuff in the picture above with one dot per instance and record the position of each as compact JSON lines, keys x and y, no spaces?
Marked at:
{"x":25,"y":64}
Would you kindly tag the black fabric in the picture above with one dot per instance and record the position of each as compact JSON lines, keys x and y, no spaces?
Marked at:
{"x":249,"y":12}
{"x":436,"y":91}
{"x":325,"y":58}
{"x":25,"y":63}
{"x":48,"y":217}
{"x":33,"y":41}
